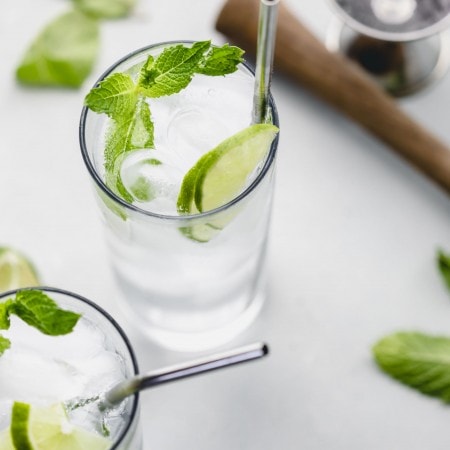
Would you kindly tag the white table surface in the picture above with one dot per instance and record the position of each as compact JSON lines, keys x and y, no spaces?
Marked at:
{"x":352,"y":253}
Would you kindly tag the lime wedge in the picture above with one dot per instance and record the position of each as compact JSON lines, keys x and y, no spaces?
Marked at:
{"x":222,"y":174}
{"x":15,"y":270}
{"x":49,"y":429}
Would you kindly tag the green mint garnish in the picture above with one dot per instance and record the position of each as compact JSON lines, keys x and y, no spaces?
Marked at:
{"x":38,"y":310}
{"x":220,"y":61}
{"x":115,"y":96}
{"x":63,"y":54}
{"x":417,"y":360}
{"x":108,"y":9}
{"x":5,"y":344}
{"x":129,"y":132}
{"x":443,"y":260}
{"x":173,"y":70}
{"x":124,"y":100}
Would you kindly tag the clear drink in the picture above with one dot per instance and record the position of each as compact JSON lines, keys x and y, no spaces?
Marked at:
{"x":186,"y":290}
{"x":44,"y":370}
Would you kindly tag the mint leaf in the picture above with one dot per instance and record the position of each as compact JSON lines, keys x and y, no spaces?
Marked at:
{"x":5,"y":311}
{"x":115,"y":96}
{"x":221,"y":61}
{"x":63,"y":54}
{"x":5,"y":344}
{"x":131,"y":132}
{"x":134,"y":131}
{"x":40,"y":311}
{"x":173,"y":70}
{"x":107,"y":9}
{"x":417,"y":360}
{"x":444,"y":266}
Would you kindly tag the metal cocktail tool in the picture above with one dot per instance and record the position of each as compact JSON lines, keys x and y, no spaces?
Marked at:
{"x":403,"y":44}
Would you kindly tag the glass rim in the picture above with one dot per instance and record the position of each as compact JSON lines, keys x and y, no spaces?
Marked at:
{"x":177,"y":218}
{"x":119,"y":329}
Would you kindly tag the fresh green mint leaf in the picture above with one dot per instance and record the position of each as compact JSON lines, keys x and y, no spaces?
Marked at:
{"x":444,"y":266}
{"x":115,"y":96}
{"x":418,"y":360}
{"x":40,"y":311}
{"x":5,"y":344}
{"x":63,"y":54}
{"x":5,"y":311}
{"x":106,"y":9}
{"x":173,"y":70}
{"x":132,"y":132}
{"x":114,"y":181}
{"x":221,"y":60}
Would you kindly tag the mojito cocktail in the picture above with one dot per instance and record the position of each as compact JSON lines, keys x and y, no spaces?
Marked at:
{"x":51,"y":378}
{"x":184,"y":183}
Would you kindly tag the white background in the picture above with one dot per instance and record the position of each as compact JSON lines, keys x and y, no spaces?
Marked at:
{"x":352,"y":252}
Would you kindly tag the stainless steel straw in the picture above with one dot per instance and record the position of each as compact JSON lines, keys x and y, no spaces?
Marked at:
{"x":265,"y":49}
{"x":218,"y":361}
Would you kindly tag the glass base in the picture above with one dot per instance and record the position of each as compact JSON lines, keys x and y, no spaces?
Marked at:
{"x":198,"y":340}
{"x":400,"y":68}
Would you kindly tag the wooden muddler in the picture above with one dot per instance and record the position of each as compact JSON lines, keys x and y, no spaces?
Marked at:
{"x":341,"y":83}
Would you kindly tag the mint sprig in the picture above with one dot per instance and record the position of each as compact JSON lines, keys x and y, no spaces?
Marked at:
{"x":443,"y":261}
{"x":125,"y":100}
{"x":39,"y":311}
{"x":418,"y":360}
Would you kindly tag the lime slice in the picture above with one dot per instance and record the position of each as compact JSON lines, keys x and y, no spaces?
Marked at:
{"x":222,"y":174}
{"x":15,"y":270}
{"x":49,"y":429}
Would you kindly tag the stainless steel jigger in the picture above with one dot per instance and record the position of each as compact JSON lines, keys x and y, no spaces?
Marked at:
{"x":403,"y":44}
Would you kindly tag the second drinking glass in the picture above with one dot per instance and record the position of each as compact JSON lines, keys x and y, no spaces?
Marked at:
{"x":196,"y":280}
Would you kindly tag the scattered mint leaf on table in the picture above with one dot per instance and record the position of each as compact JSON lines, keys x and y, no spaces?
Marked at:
{"x":444,"y":266}
{"x":106,"y":9}
{"x":63,"y":54}
{"x":417,"y":360}
{"x":124,"y":99}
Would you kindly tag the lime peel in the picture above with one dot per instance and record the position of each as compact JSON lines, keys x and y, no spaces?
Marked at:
{"x":221,"y":175}
{"x":16,"y":271}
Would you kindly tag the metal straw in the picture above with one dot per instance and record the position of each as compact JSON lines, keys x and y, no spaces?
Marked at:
{"x":265,"y":49}
{"x":218,"y":361}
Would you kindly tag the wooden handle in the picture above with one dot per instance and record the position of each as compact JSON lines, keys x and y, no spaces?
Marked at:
{"x":341,"y":83}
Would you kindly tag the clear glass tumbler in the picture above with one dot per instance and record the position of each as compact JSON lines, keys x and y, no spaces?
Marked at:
{"x":92,"y":358}
{"x":186,"y":294}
